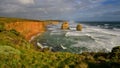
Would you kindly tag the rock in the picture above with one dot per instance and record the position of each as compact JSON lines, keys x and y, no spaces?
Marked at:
{"x":27,"y":28}
{"x":79,"y":27}
{"x":116,"y":49}
{"x":115,"y":53}
{"x":65,"y":26}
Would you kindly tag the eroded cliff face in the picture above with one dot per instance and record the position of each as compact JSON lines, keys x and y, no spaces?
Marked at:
{"x":27,"y":28}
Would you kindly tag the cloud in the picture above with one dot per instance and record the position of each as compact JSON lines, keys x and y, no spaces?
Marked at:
{"x":58,"y":9}
{"x":96,"y":1}
{"x":26,"y":1}
{"x":15,"y":6}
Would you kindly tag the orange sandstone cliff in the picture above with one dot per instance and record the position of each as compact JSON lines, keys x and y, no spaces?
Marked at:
{"x":27,"y":28}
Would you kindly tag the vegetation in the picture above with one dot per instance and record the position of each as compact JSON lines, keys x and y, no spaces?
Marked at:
{"x":2,"y":25}
{"x":16,"y":52}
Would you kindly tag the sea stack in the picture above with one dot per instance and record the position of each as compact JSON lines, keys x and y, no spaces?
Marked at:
{"x":79,"y":27}
{"x":65,"y":26}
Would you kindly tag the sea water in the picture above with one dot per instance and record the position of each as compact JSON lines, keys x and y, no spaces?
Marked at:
{"x":94,"y":37}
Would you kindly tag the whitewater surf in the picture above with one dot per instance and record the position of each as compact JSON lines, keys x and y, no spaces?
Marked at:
{"x":91,"y":38}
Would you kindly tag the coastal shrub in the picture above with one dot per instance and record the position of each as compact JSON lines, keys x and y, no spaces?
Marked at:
{"x":8,"y":50}
{"x":15,"y":32}
{"x":2,"y":27}
{"x":16,"y":52}
{"x":30,"y":58}
{"x":81,"y":65}
{"x":101,"y":58}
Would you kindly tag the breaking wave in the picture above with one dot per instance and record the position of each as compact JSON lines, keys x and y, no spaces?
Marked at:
{"x":91,"y":38}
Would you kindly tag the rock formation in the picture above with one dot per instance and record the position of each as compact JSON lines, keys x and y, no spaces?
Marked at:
{"x":27,"y":28}
{"x":79,"y":27}
{"x":116,"y":49}
{"x":65,"y":26}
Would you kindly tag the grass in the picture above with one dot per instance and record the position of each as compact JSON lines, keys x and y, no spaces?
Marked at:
{"x":16,"y":52}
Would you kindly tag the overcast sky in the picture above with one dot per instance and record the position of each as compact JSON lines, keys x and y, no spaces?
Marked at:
{"x":79,"y":10}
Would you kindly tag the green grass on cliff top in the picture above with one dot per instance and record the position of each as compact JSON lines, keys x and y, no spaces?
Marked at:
{"x":16,"y":52}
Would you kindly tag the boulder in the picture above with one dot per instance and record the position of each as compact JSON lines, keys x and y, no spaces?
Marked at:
{"x":116,"y":49}
{"x":65,"y":26}
{"x":79,"y":27}
{"x":115,"y":53}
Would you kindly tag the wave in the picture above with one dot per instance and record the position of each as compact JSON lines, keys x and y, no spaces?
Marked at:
{"x":91,"y":38}
{"x":103,"y":38}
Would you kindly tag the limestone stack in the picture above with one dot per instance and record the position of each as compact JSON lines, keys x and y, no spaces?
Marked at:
{"x":65,"y":26}
{"x":79,"y":27}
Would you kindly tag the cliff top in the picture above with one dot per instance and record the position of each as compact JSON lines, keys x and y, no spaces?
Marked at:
{"x":9,"y":20}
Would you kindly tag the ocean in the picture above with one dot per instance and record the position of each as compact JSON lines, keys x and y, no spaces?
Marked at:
{"x":94,"y":37}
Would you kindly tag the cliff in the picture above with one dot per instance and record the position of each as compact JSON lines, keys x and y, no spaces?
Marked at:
{"x":25,"y":27}
{"x":16,"y":52}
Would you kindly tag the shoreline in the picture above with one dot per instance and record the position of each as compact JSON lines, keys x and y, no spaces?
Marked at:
{"x":34,"y":36}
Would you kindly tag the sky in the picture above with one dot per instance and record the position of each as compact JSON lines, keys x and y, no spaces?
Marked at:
{"x":78,"y":10}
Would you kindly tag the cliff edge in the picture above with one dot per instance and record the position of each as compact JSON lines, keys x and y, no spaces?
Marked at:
{"x":27,"y":28}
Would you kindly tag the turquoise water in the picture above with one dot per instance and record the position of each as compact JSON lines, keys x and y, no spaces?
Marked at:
{"x":92,"y":38}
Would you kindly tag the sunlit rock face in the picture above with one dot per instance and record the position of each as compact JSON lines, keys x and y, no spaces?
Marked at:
{"x":79,"y":27}
{"x":27,"y":28}
{"x":65,"y":26}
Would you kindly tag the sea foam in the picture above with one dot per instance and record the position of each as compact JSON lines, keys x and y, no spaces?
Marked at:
{"x":93,"y":38}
